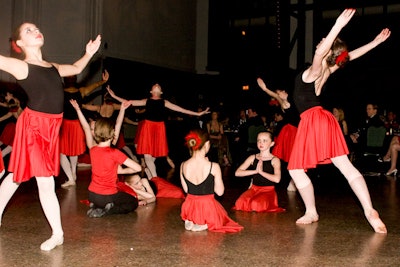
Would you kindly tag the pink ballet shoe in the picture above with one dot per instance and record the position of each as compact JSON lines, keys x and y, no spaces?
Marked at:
{"x":308,"y":218}
{"x":376,"y":222}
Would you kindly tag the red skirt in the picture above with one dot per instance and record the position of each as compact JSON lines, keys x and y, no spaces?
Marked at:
{"x":152,"y":139}
{"x":36,"y":147}
{"x":258,"y":199}
{"x":121,"y":141}
{"x":7,"y":136}
{"x":167,"y":189}
{"x":205,"y":209}
{"x":72,"y":138}
{"x":139,"y":127}
{"x":122,"y":187}
{"x":284,"y":142}
{"x":319,"y":138}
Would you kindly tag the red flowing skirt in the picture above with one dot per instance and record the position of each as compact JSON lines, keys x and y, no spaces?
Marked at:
{"x":318,"y":139}
{"x":167,"y":189}
{"x":205,"y":209}
{"x":284,"y":142}
{"x":152,"y":139}
{"x":7,"y":136}
{"x":36,"y":147}
{"x":72,"y":138}
{"x":258,"y":199}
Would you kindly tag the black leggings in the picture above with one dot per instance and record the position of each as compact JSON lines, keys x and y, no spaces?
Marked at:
{"x":123,"y":202}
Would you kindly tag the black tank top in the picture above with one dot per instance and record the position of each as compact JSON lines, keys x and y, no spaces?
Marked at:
{"x":304,"y":96}
{"x":155,"y":110}
{"x":258,"y":179}
{"x":69,"y":110}
{"x":204,"y":188}
{"x":44,"y":89}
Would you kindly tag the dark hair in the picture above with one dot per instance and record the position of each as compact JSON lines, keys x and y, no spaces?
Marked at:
{"x":16,"y":51}
{"x":339,"y":49}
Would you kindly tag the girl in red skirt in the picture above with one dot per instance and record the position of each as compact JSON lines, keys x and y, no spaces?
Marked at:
{"x":36,"y":150}
{"x":200,"y":179}
{"x":266,"y":171}
{"x":319,"y":139}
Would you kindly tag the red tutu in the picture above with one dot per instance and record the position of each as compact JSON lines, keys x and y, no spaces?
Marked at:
{"x":259,"y":199}
{"x":139,"y":128}
{"x":167,"y":189}
{"x":36,"y":147}
{"x":205,"y":209}
{"x":319,"y":138}
{"x":284,"y":142}
{"x":7,"y":136}
{"x":152,"y":139}
{"x":72,"y":138}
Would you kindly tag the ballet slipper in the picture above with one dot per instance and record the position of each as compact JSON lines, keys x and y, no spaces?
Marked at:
{"x":199,"y":227}
{"x":52,"y":242}
{"x":376,"y":222}
{"x":308,"y":218}
{"x":188,"y":225}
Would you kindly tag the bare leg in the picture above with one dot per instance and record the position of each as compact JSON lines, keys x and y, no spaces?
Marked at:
{"x":360,"y":189}
{"x":51,"y":209}
{"x":74,"y":163}
{"x":7,"y":190}
{"x":394,"y":151}
{"x":306,"y":190}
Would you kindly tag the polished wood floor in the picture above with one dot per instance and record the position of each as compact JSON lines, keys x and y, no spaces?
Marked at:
{"x":155,"y":236}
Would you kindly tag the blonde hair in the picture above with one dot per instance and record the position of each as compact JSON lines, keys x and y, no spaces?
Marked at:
{"x":104,"y":130}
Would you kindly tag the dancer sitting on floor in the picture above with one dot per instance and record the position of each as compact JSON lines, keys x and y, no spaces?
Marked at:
{"x":138,"y":187}
{"x":266,"y":171}
{"x":201,"y":178}
{"x":104,"y":197}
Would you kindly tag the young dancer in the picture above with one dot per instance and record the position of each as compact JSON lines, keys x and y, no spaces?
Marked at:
{"x":319,"y":139}
{"x":36,"y":145}
{"x":200,"y":179}
{"x":266,"y":171}
{"x":104,"y":196}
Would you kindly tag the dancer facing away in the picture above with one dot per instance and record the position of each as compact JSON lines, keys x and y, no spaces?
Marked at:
{"x":201,"y":178}
{"x":36,"y":145}
{"x":104,"y":196}
{"x":285,"y":139}
{"x":72,"y":137}
{"x":319,"y":139}
{"x":152,"y":136}
{"x":266,"y":171}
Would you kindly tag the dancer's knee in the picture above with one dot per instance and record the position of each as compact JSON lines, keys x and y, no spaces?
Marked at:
{"x":300,"y":178}
{"x":346,"y":168}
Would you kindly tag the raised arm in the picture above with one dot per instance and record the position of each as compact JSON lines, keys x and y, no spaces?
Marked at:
{"x":141,"y":102}
{"x":282,"y":101}
{"x":380,"y":38}
{"x":88,"y":89}
{"x":84,"y":123}
{"x":177,"y":108}
{"x":120,"y":120}
{"x":73,"y":69}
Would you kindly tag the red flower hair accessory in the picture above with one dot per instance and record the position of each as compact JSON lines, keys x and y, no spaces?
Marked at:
{"x":193,"y":140}
{"x":15,"y":47}
{"x":342,"y":58}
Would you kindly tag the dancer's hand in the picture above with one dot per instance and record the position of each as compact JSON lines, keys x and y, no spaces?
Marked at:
{"x":105,"y":75}
{"x":93,"y":45}
{"x":74,"y":104}
{"x":345,"y":17}
{"x":382,"y":36}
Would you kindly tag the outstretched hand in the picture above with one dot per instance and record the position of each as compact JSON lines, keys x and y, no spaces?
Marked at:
{"x":382,"y":36}
{"x":111,"y":92}
{"x":206,"y":111}
{"x":125,"y":104}
{"x":74,"y":104}
{"x":261,"y":83}
{"x":93,"y":45}
{"x":345,"y":17}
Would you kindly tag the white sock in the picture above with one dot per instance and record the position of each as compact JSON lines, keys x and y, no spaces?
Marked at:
{"x":7,"y":190}
{"x":66,"y":166}
{"x":74,"y":163}
{"x":51,"y":207}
